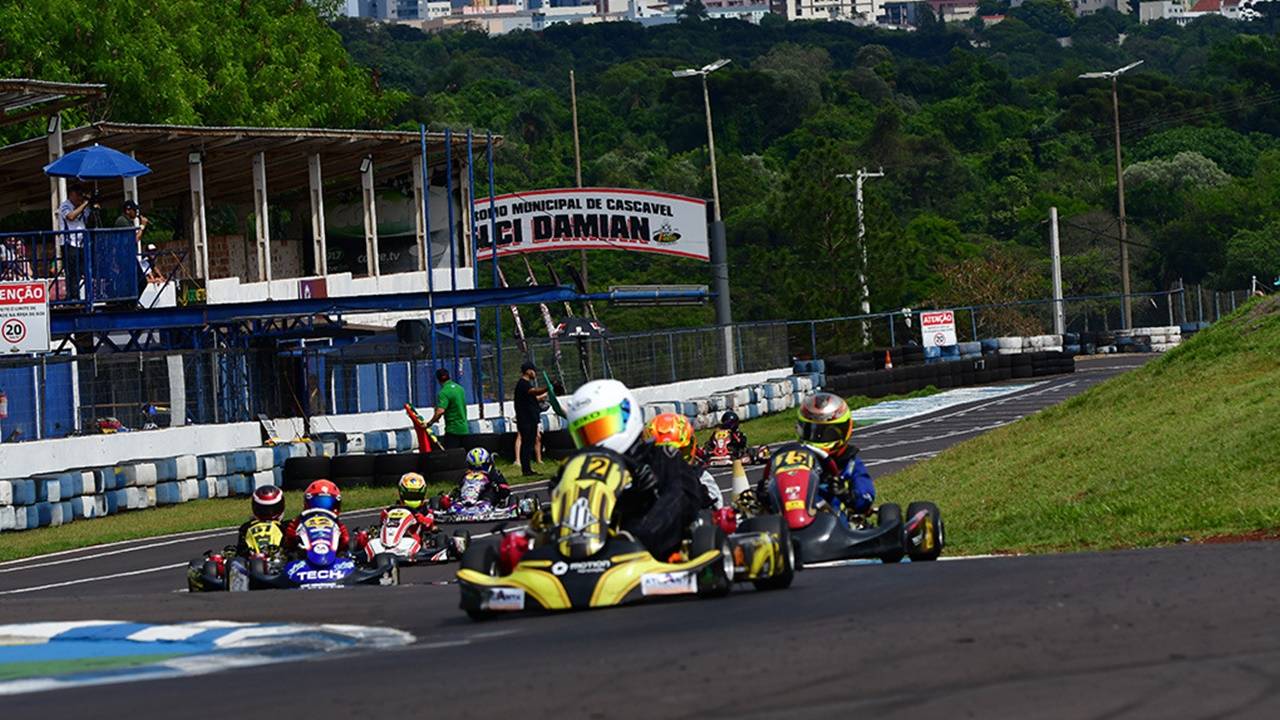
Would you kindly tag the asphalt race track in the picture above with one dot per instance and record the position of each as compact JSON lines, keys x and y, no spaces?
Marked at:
{"x":1176,"y":632}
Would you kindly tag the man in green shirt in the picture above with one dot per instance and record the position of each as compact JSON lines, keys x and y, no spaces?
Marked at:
{"x":451,"y":402}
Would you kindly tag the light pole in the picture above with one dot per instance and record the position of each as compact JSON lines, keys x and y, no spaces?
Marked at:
{"x":1126,"y":311}
{"x":719,"y":254}
{"x":865,"y":291}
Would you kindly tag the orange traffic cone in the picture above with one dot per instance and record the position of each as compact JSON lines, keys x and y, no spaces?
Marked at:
{"x":888,"y":361}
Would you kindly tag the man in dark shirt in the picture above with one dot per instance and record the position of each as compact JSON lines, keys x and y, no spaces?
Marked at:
{"x":528,"y":414}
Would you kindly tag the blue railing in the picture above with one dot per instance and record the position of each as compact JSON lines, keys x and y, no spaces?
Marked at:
{"x":83,"y":267}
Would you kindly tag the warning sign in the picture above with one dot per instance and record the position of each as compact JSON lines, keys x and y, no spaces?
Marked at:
{"x":24,"y":317}
{"x":938,"y":328}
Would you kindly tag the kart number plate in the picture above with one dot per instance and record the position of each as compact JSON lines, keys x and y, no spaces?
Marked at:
{"x":239,"y":579}
{"x":670,"y":583}
{"x":504,"y":599}
{"x":794,"y":505}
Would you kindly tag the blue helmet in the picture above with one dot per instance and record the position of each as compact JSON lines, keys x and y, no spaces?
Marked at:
{"x":480,"y":459}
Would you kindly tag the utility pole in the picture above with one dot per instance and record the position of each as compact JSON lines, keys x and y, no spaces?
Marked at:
{"x":577,"y":157}
{"x":719,"y":253}
{"x":1126,"y":304}
{"x":864,"y":290}
{"x":1055,"y":253}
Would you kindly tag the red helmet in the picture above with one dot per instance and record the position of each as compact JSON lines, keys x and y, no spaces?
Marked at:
{"x":268,"y":503}
{"x":322,"y":495}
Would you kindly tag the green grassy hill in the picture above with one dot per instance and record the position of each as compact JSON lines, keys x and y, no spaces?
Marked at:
{"x":1186,"y":446}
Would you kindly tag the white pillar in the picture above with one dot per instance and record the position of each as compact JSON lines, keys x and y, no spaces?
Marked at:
{"x":199,"y":232}
{"x":57,"y":186}
{"x":464,"y":191}
{"x":260,"y":215}
{"x":419,"y":197}
{"x":319,"y":243}
{"x":370,"y":217}
{"x":1059,"y":313}
{"x":131,"y":193}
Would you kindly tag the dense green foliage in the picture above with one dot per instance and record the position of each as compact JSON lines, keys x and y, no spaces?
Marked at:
{"x":266,"y":62}
{"x":979,"y":132}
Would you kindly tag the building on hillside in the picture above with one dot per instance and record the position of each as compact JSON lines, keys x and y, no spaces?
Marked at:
{"x":954,"y":10}
{"x":749,"y":10}
{"x":1174,"y":10}
{"x":989,"y":20}
{"x":847,"y":10}
{"x":1089,"y":7}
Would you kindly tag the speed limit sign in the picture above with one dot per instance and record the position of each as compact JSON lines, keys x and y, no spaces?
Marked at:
{"x":13,"y":331}
{"x":24,"y":317}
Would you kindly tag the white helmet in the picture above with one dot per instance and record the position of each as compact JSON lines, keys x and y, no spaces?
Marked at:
{"x":605,"y":414}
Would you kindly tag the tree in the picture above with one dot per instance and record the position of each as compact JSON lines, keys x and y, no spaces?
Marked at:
{"x":1252,"y":253}
{"x":694,"y":11}
{"x":1002,"y":274}
{"x":1050,"y":16}
{"x":1226,"y":148}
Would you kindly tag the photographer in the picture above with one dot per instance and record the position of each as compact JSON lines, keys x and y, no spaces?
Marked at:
{"x":75,"y":212}
{"x":131,"y":217}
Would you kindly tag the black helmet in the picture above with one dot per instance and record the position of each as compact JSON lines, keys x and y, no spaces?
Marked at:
{"x":268,"y":503}
{"x":729,"y":420}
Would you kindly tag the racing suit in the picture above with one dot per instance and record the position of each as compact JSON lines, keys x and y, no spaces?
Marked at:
{"x":426,"y":520}
{"x":846,"y":483}
{"x":664,"y":499}
{"x":242,"y":535}
{"x":497,"y":491}
{"x":291,"y":541}
{"x":737,"y":443}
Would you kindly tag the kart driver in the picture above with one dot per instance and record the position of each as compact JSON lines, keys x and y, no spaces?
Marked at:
{"x":737,"y":439}
{"x":268,"y":508}
{"x":665,"y":493}
{"x":825,"y":422}
{"x":319,"y":495}
{"x":673,"y":430}
{"x":497,"y":491}
{"x":411,"y":494}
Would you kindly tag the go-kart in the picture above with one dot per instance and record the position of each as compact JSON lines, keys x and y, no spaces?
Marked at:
{"x":317,"y":565}
{"x":209,"y":572}
{"x":823,"y":533}
{"x":719,"y":452}
{"x":470,"y":504}
{"x":402,"y":536}
{"x":588,"y":562}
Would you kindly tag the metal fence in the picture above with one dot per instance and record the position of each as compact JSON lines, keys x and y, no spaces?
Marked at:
{"x":59,"y":395}
{"x":82,"y":267}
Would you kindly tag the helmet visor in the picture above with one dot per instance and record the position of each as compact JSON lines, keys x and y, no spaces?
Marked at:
{"x":822,"y":434}
{"x":323,"y":502}
{"x":598,"y":426}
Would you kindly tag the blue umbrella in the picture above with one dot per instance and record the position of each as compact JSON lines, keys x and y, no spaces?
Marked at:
{"x":95,"y":163}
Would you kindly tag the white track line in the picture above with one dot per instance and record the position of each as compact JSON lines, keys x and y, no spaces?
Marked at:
{"x":81,"y":581}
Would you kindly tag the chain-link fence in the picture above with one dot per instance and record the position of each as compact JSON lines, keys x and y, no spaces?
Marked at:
{"x":59,"y":395}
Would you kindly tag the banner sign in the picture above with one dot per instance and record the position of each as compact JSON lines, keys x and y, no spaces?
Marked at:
{"x":938,"y":328}
{"x":24,"y":317}
{"x":593,"y":219}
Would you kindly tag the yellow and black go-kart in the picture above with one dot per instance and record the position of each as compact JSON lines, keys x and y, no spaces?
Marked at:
{"x":587,"y":562}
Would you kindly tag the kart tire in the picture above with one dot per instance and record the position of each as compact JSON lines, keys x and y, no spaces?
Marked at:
{"x":357,"y":481}
{"x":482,"y":559}
{"x":887,"y":514}
{"x":717,"y":579}
{"x":461,"y":542}
{"x":489,"y":441}
{"x":781,"y":579}
{"x":939,"y":536}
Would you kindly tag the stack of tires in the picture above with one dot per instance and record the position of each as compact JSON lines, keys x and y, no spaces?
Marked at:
{"x":1051,"y":363}
{"x":441,"y":466}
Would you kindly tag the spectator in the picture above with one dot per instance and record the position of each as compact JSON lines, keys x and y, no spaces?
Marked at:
{"x":528,"y":415}
{"x":14,"y":264}
{"x":131,"y":217}
{"x":451,"y":402}
{"x":74,"y":211}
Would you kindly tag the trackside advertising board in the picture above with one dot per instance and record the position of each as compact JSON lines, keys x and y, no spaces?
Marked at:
{"x":24,"y":317}
{"x":938,"y":328}
{"x":593,"y":219}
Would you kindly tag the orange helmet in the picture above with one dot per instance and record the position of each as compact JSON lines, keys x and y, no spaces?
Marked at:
{"x":324,"y":495}
{"x":672,"y":429}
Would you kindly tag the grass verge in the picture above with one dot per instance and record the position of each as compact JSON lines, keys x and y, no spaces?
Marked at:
{"x":1182,"y":447}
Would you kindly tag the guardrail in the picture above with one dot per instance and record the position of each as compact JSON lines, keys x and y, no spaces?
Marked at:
{"x":83,"y":267}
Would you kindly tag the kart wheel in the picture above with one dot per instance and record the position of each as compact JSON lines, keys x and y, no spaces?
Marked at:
{"x":784,"y":574}
{"x":889,"y":514}
{"x":482,"y":559}
{"x":933,"y":526}
{"x":716,"y":579}
{"x":461,"y":541}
